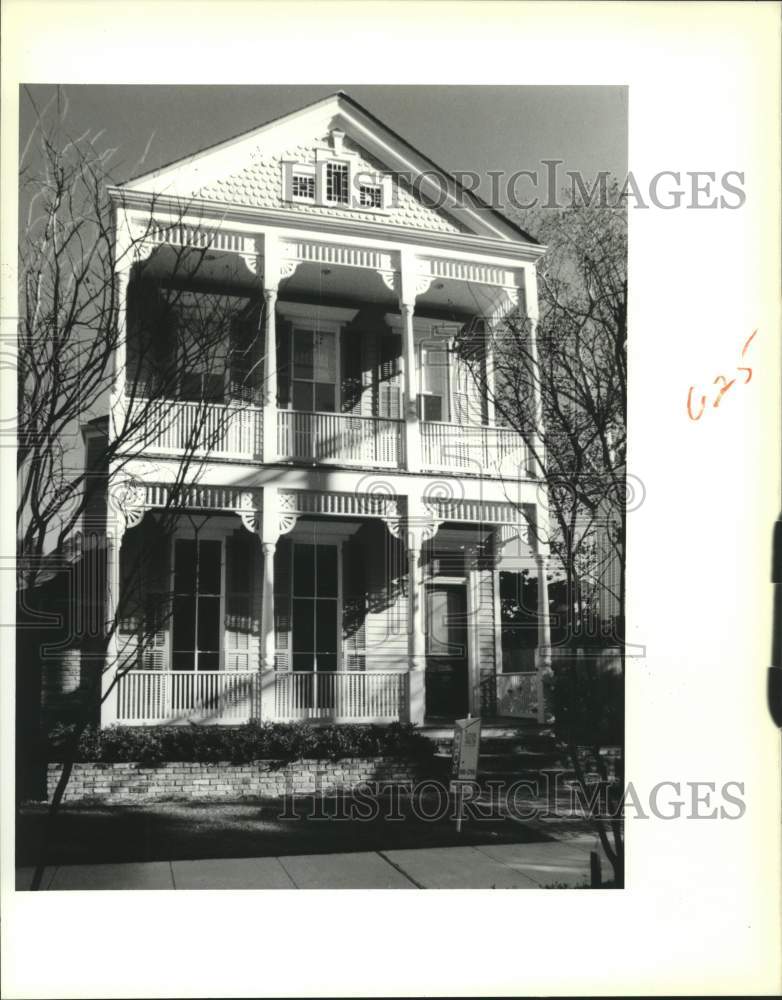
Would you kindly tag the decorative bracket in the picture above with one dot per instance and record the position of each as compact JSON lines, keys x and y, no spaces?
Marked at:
{"x":129,"y":499}
{"x":287,"y":522}
{"x":391,"y":280}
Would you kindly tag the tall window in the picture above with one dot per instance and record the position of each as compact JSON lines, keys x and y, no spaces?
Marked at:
{"x":433,"y":381}
{"x":519,"y":618}
{"x":196,"y":625}
{"x":315,"y":607}
{"x":314,"y":382}
{"x":337,"y":183}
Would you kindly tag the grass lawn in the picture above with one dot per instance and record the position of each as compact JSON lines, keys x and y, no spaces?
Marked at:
{"x":188,"y":830}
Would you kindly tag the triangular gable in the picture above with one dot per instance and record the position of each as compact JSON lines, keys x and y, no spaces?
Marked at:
{"x":249,"y":170}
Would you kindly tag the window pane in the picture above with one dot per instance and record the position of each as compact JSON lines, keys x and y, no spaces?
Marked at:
{"x":184,"y":566}
{"x":304,"y":571}
{"x":208,"y":661}
{"x":326,"y":662}
{"x":184,"y":623}
{"x":303,"y":186}
{"x":433,"y":408}
{"x":303,"y":625}
{"x":302,"y":354}
{"x":214,"y":388}
{"x":303,"y":661}
{"x":209,"y":568}
{"x":324,"y":397}
{"x":184,"y":661}
{"x":209,"y":623}
{"x":302,"y":396}
{"x":325,"y":369}
{"x":190,"y":387}
{"x":337,"y":182}
{"x":327,"y":570}
{"x":326,"y":626}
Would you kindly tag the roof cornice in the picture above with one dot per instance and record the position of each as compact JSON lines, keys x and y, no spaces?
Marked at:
{"x":324,"y":225}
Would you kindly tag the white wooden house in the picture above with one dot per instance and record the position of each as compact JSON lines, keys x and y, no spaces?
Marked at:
{"x":339,"y":551}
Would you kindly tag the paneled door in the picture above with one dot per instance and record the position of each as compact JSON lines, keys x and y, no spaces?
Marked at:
{"x":447,"y":673}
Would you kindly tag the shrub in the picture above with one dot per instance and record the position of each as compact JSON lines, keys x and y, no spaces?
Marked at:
{"x":281,"y":741}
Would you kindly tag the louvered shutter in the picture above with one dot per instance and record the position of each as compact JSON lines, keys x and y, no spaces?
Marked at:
{"x":352,"y":385}
{"x":354,"y":605}
{"x":368,"y":373}
{"x":389,"y":396}
{"x":282,"y":605}
{"x":242,"y":627}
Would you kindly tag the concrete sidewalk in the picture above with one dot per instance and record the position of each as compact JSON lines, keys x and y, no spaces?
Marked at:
{"x":499,"y":866}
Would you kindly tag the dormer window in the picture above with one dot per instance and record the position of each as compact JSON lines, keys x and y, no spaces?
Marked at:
{"x":336,"y":182}
{"x":370,"y":195}
{"x":337,"y":187}
{"x":303,"y":185}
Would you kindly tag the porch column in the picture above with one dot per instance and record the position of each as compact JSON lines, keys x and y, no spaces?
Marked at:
{"x":270,"y":376}
{"x":412,"y":424}
{"x":543,"y":653}
{"x":530,"y":297}
{"x":117,"y":400}
{"x":267,"y":632}
{"x":416,"y":626}
{"x":407,"y":309}
{"x":108,"y":687}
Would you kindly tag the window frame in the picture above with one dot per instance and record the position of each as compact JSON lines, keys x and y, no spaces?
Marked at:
{"x":308,"y":171}
{"x":338,"y":600}
{"x":210,"y":534}
{"x":301,"y":325}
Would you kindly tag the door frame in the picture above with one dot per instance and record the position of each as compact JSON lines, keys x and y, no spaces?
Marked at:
{"x":469,"y":581}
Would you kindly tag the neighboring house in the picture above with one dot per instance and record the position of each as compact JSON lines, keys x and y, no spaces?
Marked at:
{"x":339,"y":552}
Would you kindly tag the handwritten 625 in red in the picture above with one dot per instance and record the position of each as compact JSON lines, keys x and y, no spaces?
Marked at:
{"x":723,"y":383}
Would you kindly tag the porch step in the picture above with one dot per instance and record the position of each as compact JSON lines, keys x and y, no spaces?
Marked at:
{"x":509,"y":751}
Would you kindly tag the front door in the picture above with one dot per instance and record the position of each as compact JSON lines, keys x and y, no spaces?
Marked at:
{"x":446,"y":651}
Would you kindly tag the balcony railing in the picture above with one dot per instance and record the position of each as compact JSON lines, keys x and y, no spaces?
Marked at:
{"x":356,"y":696}
{"x":232,"y":430}
{"x":339,"y":438}
{"x":157,"y":696}
{"x":483,"y":451}
{"x":517,"y":695}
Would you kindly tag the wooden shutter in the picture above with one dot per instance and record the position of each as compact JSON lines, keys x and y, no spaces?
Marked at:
{"x":282,"y":604}
{"x":369,"y":349}
{"x":389,"y":397}
{"x":351,"y":375}
{"x":242,"y":627}
{"x":354,"y":605}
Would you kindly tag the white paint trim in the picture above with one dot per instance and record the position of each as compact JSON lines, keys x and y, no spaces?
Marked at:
{"x":295,"y":311}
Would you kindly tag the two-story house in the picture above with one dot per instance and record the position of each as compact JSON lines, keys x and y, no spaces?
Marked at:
{"x":342,"y":546}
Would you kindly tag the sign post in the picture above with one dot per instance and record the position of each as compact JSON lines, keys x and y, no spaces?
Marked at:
{"x":464,"y":763}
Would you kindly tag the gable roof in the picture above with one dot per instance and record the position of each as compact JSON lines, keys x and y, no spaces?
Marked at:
{"x":199,"y":174}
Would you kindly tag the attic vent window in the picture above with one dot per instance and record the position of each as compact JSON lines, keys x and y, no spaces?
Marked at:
{"x":337,"y":183}
{"x":370,"y":196}
{"x":303,"y":186}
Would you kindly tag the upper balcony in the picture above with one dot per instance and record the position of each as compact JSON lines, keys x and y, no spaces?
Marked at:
{"x":327,"y":370}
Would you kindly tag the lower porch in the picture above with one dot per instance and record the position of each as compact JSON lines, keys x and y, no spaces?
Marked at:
{"x":340,"y":620}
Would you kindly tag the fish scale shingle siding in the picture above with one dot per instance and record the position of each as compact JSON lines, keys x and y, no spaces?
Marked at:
{"x":259,"y":185}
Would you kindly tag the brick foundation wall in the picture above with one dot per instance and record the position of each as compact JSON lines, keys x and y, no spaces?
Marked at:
{"x":223,"y":780}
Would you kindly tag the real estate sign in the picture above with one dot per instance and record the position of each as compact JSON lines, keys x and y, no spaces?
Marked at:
{"x":466,"y":746}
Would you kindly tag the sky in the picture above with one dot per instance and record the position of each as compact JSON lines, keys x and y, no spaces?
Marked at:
{"x":461,"y":128}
